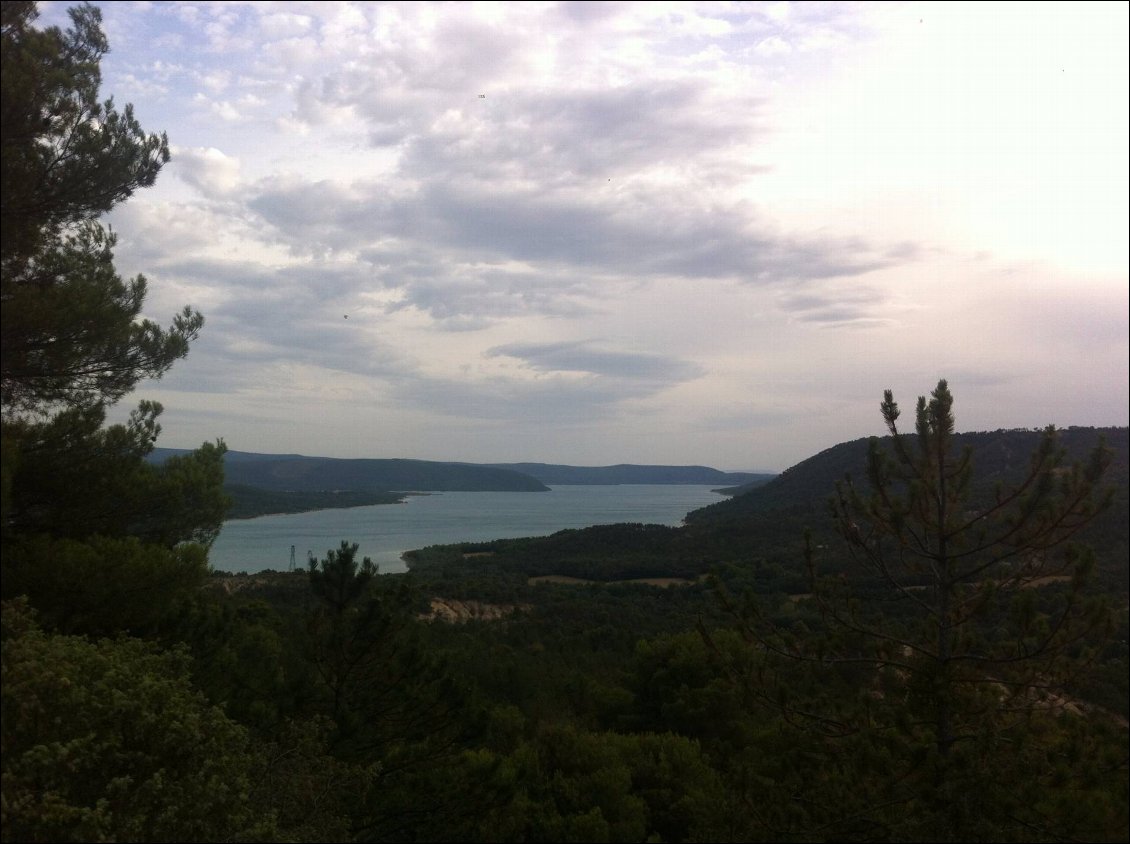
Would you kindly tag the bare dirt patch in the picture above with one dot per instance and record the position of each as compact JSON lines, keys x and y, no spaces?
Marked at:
{"x":454,"y":611}
{"x":1044,"y":581}
{"x":663,"y":582}
{"x":253,"y":582}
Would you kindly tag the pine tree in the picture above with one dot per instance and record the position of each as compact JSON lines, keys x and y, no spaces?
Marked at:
{"x":71,"y":330}
{"x":961,"y":562}
{"x":80,"y":500}
{"x":948,"y":641}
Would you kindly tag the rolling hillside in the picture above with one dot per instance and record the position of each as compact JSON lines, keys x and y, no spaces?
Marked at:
{"x":997,"y":456}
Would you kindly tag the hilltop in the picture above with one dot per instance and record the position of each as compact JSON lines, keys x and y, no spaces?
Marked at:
{"x":998,"y":456}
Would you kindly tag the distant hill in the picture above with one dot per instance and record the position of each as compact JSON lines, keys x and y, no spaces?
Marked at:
{"x":624,"y":473}
{"x":771,"y":520}
{"x":997,"y":456}
{"x":757,"y":539}
{"x":296,"y":473}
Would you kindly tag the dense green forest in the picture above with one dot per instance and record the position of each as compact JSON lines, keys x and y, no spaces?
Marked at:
{"x":918,"y":637}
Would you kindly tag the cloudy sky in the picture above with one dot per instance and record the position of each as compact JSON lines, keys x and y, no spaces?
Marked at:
{"x":594,"y":233}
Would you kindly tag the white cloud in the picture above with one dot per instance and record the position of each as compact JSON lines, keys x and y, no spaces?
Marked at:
{"x":284,"y":25}
{"x":713,"y":231}
{"x":208,"y":170}
{"x":216,"y":82}
{"x":222,"y":109}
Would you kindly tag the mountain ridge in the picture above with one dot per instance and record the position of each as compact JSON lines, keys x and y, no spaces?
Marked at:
{"x":1001,"y":455}
{"x":304,"y":473}
{"x":301,"y":473}
{"x":633,"y":473}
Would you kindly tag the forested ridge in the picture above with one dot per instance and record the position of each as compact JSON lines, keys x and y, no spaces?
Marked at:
{"x":919,"y":637}
{"x":310,"y":474}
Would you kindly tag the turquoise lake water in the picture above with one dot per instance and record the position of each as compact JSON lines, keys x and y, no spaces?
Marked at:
{"x":386,"y":531}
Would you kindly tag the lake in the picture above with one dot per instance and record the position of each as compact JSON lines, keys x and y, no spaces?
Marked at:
{"x":386,"y":531}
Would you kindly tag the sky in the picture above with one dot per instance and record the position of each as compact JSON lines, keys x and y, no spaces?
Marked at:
{"x":596,"y":233}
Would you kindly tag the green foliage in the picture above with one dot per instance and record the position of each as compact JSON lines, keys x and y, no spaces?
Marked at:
{"x":99,"y":539}
{"x":575,"y":676}
{"x":602,"y":553}
{"x":574,"y":785}
{"x":103,"y":585}
{"x":977,"y":619}
{"x":70,"y":329}
{"x":777,"y":514}
{"x":66,"y":155}
{"x":70,"y":332}
{"x":393,"y":701}
{"x":73,"y":343}
{"x":594,"y":734}
{"x":679,"y":688}
{"x":934,"y":652}
{"x":339,"y":580}
{"x":75,"y":478}
{"x":108,"y":741}
{"x":314,"y":796}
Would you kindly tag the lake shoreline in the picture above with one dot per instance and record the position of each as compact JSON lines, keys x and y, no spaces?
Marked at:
{"x":269,"y":504}
{"x":384,"y":534}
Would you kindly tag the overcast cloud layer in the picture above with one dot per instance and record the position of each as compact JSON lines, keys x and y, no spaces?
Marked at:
{"x":599,"y":232}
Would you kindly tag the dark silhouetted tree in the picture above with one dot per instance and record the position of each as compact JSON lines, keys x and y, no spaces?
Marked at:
{"x":70,"y":326}
{"x":80,"y":500}
{"x":951,"y":637}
